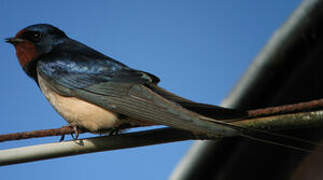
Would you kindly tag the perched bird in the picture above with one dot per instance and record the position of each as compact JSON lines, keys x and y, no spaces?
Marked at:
{"x":94,"y":91}
{"x":97,"y":93}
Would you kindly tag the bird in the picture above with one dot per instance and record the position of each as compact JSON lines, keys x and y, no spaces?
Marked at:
{"x":95,"y":92}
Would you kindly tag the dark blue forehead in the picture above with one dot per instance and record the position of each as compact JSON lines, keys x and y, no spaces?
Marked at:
{"x":46,"y":29}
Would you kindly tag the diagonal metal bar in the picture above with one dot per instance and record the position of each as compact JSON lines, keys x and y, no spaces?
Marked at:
{"x":90,"y":145}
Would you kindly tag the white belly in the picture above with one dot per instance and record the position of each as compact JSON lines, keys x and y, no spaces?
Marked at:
{"x":79,"y":112}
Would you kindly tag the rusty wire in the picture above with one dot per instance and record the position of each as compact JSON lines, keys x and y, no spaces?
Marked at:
{"x":38,"y":133}
{"x":285,"y":109}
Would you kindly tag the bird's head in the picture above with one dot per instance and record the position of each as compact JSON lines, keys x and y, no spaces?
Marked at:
{"x":35,"y":41}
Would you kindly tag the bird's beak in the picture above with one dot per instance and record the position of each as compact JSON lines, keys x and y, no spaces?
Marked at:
{"x":13,"y":40}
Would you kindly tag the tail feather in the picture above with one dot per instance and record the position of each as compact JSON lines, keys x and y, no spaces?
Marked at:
{"x":215,"y":112}
{"x":224,"y":116}
{"x":211,"y":111}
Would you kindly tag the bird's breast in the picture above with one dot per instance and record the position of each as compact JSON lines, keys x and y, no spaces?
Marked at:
{"x":79,"y":112}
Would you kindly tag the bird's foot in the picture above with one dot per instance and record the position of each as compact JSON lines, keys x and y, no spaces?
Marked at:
{"x":62,"y":138}
{"x":114,"y":131}
{"x":75,"y":134}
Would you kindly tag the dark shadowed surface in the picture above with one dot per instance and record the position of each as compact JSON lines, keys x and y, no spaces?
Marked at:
{"x":288,"y":70}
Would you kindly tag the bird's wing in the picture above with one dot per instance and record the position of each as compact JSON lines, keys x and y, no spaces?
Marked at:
{"x":124,"y":91}
{"x":215,"y":112}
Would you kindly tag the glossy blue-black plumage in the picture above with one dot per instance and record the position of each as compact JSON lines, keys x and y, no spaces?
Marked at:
{"x":75,"y":65}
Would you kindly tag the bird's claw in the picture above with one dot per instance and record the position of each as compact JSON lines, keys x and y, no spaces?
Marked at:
{"x":62,"y":138}
{"x":114,"y":131}
{"x":76,"y":132}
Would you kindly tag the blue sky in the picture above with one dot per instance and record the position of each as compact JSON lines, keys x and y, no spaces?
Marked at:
{"x":199,"y":49}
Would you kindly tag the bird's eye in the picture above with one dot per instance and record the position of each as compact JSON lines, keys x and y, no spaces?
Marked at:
{"x":36,"y":36}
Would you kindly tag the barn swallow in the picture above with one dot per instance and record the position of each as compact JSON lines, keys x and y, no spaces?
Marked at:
{"x":93,"y":91}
